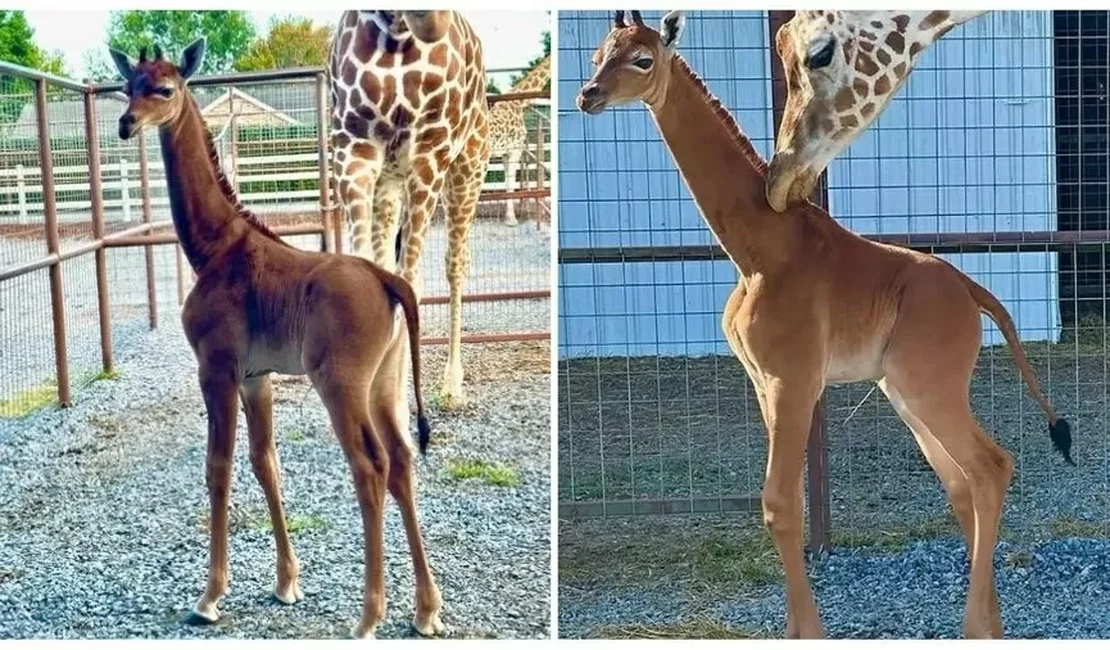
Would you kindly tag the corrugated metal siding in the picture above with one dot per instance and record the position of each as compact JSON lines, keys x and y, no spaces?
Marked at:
{"x":979,"y":158}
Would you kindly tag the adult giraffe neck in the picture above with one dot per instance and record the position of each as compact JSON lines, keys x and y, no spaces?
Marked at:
{"x":206,"y":213}
{"x":723,"y":172}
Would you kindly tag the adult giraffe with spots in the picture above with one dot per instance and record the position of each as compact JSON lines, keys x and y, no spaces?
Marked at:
{"x":842,"y":68}
{"x":410,"y":124}
{"x":508,"y":135}
{"x":261,"y":306}
{"x":817,"y":305}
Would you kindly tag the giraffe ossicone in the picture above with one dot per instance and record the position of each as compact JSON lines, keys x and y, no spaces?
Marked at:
{"x":841,"y":69}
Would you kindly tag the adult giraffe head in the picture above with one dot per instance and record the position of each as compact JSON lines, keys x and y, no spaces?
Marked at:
{"x":841,"y":68}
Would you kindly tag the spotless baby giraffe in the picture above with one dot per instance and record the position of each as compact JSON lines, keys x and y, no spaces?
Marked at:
{"x":816,"y":305}
{"x":260,"y":306}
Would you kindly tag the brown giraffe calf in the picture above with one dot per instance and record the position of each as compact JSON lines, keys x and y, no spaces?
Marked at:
{"x":816,"y":305}
{"x":260,"y":306}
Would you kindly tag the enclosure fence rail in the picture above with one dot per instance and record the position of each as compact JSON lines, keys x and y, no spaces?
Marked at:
{"x":33,"y":189}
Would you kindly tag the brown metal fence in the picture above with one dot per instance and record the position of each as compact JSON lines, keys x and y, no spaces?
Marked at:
{"x":655,"y":416}
{"x":88,"y":255}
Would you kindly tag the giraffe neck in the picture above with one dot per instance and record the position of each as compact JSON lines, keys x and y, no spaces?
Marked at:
{"x":536,"y":78}
{"x":206,"y":213}
{"x":722,"y":170}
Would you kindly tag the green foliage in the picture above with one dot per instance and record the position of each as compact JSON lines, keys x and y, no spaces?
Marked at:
{"x":17,"y":45}
{"x":229,"y":35}
{"x":291,"y":43}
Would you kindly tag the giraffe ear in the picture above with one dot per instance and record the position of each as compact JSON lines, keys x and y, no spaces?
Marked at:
{"x":192,"y":58}
{"x":671,"y":30}
{"x":123,"y":64}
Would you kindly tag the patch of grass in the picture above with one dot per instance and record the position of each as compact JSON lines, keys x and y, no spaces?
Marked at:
{"x":293,"y":435}
{"x":489,"y":473}
{"x":896,"y":538}
{"x":300,"y":523}
{"x":89,"y":378}
{"x":1069,"y":526}
{"x":29,"y":401}
{"x":702,"y":628}
{"x":241,"y":519}
{"x":747,"y":559}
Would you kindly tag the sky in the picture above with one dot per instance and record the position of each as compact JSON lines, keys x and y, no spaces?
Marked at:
{"x":510,"y":38}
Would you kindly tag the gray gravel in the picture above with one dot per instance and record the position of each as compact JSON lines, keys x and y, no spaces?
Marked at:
{"x":103,"y":508}
{"x":1052,"y":589}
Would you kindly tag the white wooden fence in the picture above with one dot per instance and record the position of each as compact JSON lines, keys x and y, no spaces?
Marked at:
{"x":19,"y":183}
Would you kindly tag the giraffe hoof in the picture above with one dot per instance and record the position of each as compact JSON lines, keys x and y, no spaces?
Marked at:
{"x":289,"y":595}
{"x":363,"y":631}
{"x":202,"y":617}
{"x":432,"y":626}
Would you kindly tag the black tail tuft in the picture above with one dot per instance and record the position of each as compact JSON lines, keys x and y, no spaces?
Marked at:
{"x":425,"y":433}
{"x":1061,"y":438}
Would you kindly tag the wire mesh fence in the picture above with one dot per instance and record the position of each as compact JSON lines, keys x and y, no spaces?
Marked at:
{"x":87,"y":254}
{"x":992,"y":156}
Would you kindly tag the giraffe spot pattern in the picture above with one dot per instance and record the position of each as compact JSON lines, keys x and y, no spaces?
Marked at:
{"x":933,"y":18}
{"x":896,"y":42}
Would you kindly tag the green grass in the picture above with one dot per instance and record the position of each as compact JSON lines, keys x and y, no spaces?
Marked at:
{"x":489,"y":473}
{"x":701,"y":628}
{"x":35,"y":399}
{"x":298,"y":523}
{"x":89,"y":378}
{"x":746,"y":559}
{"x":1069,"y":526}
{"x":293,"y":435}
{"x":29,"y":401}
{"x":895,"y":538}
{"x":242,"y":519}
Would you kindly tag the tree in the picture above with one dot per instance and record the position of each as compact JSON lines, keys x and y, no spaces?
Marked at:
{"x":291,"y":43}
{"x":546,"y":41}
{"x":17,"y":45}
{"x":229,"y":34}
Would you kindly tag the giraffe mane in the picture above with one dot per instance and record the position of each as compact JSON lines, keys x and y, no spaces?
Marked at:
{"x":225,"y":185}
{"x":726,"y":118}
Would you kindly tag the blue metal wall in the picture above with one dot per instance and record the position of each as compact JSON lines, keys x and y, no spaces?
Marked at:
{"x":966,"y":146}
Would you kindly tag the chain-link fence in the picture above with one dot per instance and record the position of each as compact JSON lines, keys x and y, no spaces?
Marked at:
{"x":994,"y":156}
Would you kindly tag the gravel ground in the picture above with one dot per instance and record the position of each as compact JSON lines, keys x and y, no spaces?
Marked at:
{"x":715,"y":576}
{"x":103,"y":509}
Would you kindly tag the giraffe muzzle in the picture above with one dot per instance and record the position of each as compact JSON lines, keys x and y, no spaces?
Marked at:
{"x":780,"y":177}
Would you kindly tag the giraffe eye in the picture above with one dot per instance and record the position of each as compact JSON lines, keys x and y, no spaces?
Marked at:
{"x":820,"y":52}
{"x":164,"y":91}
{"x":643,"y":63}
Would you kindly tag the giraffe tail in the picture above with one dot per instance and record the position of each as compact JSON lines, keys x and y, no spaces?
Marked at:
{"x":1059,"y":430}
{"x":400,"y":292}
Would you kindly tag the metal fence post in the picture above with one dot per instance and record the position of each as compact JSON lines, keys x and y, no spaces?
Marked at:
{"x":816,"y":453}
{"x":124,"y":190}
{"x":57,"y":303}
{"x":331,"y":239}
{"x":96,"y":199}
{"x":144,"y":186}
{"x":21,"y":187}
